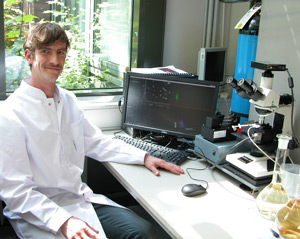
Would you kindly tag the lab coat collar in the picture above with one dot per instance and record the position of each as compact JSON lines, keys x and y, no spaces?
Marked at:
{"x":35,"y":92}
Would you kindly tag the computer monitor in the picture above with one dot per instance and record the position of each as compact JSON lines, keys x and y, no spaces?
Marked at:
{"x":170,"y":105}
{"x":211,"y":64}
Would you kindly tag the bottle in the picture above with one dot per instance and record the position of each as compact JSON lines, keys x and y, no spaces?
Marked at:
{"x":273,"y":197}
{"x":288,"y":220}
{"x":288,"y":217}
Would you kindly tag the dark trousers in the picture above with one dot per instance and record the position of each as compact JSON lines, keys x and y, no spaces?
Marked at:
{"x":122,"y":223}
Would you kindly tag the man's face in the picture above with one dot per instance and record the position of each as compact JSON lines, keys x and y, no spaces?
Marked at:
{"x":47,"y":62}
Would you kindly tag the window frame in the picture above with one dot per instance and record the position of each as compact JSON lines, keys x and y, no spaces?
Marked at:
{"x":2,"y":55}
{"x":96,"y":62}
{"x":116,"y":77}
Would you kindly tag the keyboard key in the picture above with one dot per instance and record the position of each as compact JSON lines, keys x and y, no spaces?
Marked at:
{"x":168,"y":154}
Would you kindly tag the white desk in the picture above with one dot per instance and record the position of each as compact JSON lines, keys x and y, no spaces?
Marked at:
{"x":225,"y":212}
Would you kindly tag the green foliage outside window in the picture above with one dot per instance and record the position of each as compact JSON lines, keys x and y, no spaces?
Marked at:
{"x":76,"y":72}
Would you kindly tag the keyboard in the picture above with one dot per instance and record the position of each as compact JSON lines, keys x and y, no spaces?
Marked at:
{"x":168,"y":154}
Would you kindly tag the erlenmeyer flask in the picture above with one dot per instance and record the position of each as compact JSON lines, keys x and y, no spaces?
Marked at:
{"x":273,"y":197}
{"x":288,"y":217}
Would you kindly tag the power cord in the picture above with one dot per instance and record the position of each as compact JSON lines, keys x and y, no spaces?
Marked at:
{"x":230,"y":150}
{"x":198,"y":169}
{"x":120,"y":103}
{"x":251,"y":139}
{"x":294,"y":143}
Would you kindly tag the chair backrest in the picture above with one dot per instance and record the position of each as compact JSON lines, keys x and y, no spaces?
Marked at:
{"x":1,"y":214}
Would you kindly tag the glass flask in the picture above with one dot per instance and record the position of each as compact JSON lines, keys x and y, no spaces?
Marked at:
{"x":273,"y":197}
{"x":288,"y":217}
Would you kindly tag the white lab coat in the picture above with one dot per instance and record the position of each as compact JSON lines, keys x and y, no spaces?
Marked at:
{"x":43,"y":143}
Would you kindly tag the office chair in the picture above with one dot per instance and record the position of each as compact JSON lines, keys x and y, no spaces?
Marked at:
{"x":1,"y":214}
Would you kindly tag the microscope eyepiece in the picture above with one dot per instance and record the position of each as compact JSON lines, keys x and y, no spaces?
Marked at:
{"x":231,"y":81}
{"x":245,"y":86}
{"x":250,"y":88}
{"x":234,"y":84}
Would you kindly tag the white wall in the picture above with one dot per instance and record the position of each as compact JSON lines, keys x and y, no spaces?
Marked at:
{"x":279,"y":42}
{"x":184,"y":33}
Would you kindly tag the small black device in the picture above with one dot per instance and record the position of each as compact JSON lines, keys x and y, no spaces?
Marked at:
{"x":167,"y":105}
{"x":215,"y":130}
{"x":266,"y":66}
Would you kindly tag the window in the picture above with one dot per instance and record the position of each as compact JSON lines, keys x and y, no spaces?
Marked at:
{"x":100,"y":42}
{"x":110,"y":39}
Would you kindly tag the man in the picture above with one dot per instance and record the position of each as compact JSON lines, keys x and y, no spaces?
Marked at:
{"x":44,"y":139}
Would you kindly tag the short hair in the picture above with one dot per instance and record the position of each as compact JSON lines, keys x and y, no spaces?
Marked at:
{"x":43,"y":34}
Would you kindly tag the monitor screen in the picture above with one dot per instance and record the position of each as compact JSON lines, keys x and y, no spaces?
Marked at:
{"x":171,"y":105}
{"x":211,"y":64}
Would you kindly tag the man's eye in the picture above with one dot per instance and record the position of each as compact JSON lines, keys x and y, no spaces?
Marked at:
{"x":44,"y":51}
{"x":63,"y":53}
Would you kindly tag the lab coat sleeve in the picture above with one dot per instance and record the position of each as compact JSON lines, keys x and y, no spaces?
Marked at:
{"x":103,"y":148}
{"x":17,"y":188}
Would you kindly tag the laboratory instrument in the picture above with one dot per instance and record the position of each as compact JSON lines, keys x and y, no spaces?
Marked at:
{"x":262,"y":136}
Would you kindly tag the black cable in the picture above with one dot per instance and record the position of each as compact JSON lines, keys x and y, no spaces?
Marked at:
{"x":115,"y":133}
{"x":120,"y":104}
{"x":291,"y":86}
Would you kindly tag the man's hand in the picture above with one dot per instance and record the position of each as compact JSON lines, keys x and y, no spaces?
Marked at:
{"x":75,"y":228}
{"x":153,"y":163}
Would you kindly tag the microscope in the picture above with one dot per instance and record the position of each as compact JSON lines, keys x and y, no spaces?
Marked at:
{"x":266,"y":102}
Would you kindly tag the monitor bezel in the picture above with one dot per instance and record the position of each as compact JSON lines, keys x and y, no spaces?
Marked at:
{"x":202,"y":61}
{"x":126,"y":125}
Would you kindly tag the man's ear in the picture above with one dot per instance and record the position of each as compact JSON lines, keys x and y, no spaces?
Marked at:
{"x":28,"y":56}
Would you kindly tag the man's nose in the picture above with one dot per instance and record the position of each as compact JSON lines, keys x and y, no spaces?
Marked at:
{"x":54,"y":58}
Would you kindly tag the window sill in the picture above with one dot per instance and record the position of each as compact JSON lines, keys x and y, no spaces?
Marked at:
{"x":99,"y":102}
{"x":103,"y":111}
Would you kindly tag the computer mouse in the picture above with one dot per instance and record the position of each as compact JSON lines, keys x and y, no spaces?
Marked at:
{"x":191,"y":189}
